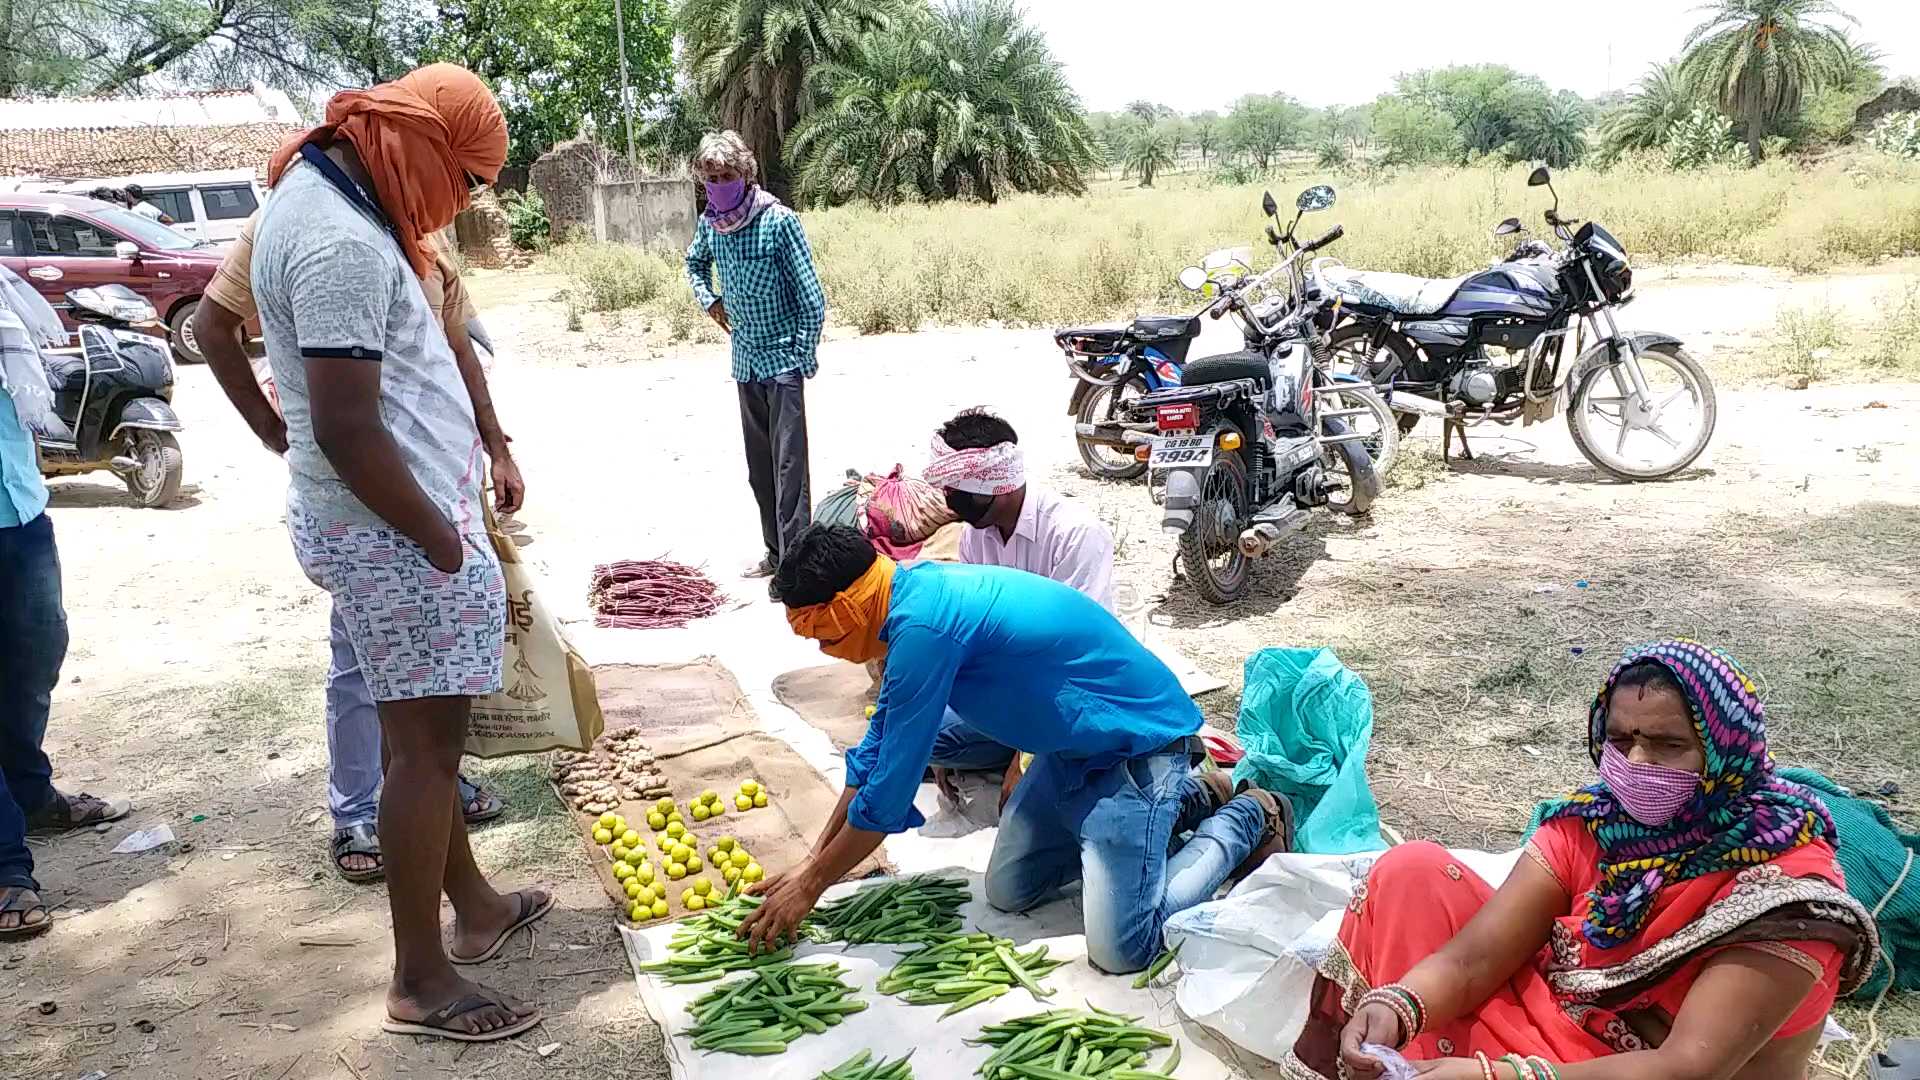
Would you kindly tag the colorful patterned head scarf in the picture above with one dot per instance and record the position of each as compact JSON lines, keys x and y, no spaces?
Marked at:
{"x":1742,"y":815}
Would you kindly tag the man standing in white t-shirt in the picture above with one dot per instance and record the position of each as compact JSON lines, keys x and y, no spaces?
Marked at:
{"x":977,"y":462}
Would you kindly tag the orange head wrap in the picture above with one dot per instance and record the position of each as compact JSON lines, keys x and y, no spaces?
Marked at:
{"x":418,"y":137}
{"x":848,"y":626}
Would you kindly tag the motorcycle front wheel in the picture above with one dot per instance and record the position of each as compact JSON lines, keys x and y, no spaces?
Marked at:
{"x":1104,"y":404}
{"x":1210,"y":548}
{"x":1633,"y":437}
{"x":1362,"y":412}
{"x":159,"y":467}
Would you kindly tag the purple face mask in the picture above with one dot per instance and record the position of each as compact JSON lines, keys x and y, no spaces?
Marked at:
{"x":1653,"y":794}
{"x":725,"y":197}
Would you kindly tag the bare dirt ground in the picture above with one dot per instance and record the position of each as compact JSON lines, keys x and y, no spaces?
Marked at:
{"x":1482,"y":606}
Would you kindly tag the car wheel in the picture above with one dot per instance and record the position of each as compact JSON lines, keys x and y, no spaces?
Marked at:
{"x":186,"y":348}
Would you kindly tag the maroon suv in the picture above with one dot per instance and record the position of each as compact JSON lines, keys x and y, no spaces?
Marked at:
{"x":66,"y":242}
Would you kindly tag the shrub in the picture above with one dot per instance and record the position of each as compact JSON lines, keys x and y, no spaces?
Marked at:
{"x":1704,"y":138}
{"x":1805,"y":338}
{"x":1897,"y":134}
{"x":614,"y":277}
{"x":527,"y":223}
{"x":1894,"y":341}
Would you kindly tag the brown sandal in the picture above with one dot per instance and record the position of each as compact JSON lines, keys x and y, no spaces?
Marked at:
{"x":13,"y":901}
{"x":65,"y":813}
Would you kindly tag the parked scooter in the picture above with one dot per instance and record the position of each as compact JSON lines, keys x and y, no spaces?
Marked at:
{"x":113,"y":398}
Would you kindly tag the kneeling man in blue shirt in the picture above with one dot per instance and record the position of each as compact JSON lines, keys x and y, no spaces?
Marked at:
{"x":1040,"y":667}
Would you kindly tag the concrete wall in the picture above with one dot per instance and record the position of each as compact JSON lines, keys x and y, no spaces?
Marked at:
{"x":649,"y":213}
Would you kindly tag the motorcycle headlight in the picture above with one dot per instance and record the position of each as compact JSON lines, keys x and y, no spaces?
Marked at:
{"x":116,"y":302}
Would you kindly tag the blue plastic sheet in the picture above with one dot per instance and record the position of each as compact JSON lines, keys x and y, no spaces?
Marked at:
{"x":1305,"y":722}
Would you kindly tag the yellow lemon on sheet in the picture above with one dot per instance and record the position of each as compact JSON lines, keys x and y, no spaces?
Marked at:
{"x":636,"y":911}
{"x":702,"y":887}
{"x":748,"y":787}
{"x":676,"y":830}
{"x":633,"y":890}
{"x":740,"y":859}
{"x":660,"y":909}
{"x":664,"y":805}
{"x":621,"y":871}
{"x":619,"y":825}
{"x":644,"y":872}
{"x":709,"y":795}
{"x":743,"y":802}
{"x":730,"y":874}
{"x":716,"y":808}
{"x":696,"y":904}
{"x":752,"y":873}
{"x":725,"y":843}
{"x":602,"y":836}
{"x":693,"y":864}
{"x":656,"y":821}
{"x":700,"y":812}
{"x":760,"y":799}
{"x":679,"y":852}
{"x":607,"y":819}
{"x":619,"y":851}
{"x":636,"y":858}
{"x":685,"y":895}
{"x":630,"y":838}
{"x":676,"y":870}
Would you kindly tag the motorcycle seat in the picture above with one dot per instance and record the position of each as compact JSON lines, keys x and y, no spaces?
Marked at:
{"x":1153,"y":329}
{"x":1226,"y":368}
{"x":1402,"y":294}
{"x":65,"y":372}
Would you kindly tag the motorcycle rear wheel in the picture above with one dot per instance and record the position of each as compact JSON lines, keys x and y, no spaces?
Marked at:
{"x":1665,"y":366}
{"x":155,"y":481}
{"x":1348,"y":345}
{"x":1102,"y":404}
{"x":1210,"y":548}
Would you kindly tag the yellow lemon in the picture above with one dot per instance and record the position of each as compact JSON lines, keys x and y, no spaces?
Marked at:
{"x":673,"y":816}
{"x":729,"y":873}
{"x":633,"y":890}
{"x":709,"y":795}
{"x":660,"y":909}
{"x":619,"y":851}
{"x":739,"y":858}
{"x":696,"y":904}
{"x":748,"y":787}
{"x":743,"y":802}
{"x":693,"y":864}
{"x":606,"y":820}
{"x":676,"y":871}
{"x":714,"y":856}
{"x":636,"y":912}
{"x":685,"y":895}
{"x":602,"y":836}
{"x":656,"y":821}
{"x":636,"y":858}
{"x":700,"y":812}
{"x":716,"y":808}
{"x":871,"y":709}
{"x":725,"y":843}
{"x":752,"y":873}
{"x":761,"y":798}
{"x":621,"y":871}
{"x":676,"y":830}
{"x":702,"y":887}
{"x":630,"y":838}
{"x":619,"y":825}
{"x":644,"y":872}
{"x":663,"y":805}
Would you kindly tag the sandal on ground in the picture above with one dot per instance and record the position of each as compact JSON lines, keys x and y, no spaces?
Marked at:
{"x":360,"y":839}
{"x":14,"y":900}
{"x":442,"y":1023}
{"x":65,"y":813}
{"x":530,"y":911}
{"x":491,"y":805}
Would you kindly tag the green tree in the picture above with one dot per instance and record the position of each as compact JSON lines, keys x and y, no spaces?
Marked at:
{"x":556,"y":63}
{"x":1204,"y":127}
{"x":1555,"y":133}
{"x":1759,"y":58}
{"x":1489,"y":104}
{"x":748,"y":61}
{"x":1152,"y":149}
{"x":1259,"y":126}
{"x":1412,"y":132}
{"x":1660,"y":100}
{"x":965,"y":102}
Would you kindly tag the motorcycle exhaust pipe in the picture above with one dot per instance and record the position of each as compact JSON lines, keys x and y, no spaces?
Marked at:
{"x":1182,"y":499}
{"x":1111,"y":435}
{"x":1425,"y":406}
{"x":124,"y":463}
{"x":1257,"y":541}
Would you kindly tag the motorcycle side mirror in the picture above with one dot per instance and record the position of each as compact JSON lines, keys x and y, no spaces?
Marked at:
{"x":1267,"y":204}
{"x":1317,"y":197}
{"x":1507,"y":227}
{"x":1192,"y":278}
{"x":1540,"y":177}
{"x":126,"y":251}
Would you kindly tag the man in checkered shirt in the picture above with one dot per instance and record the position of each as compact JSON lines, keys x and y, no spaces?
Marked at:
{"x":770,"y":302}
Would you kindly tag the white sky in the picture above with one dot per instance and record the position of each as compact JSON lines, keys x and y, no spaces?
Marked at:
{"x":1201,"y":54}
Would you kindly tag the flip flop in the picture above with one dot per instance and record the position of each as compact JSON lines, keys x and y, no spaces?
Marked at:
{"x":491,"y":805}
{"x":528,"y":916}
{"x":438,"y":1024}
{"x":13,"y":901}
{"x":358,"y":839}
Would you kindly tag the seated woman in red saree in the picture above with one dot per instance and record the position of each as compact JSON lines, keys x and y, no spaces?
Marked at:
{"x":1682,"y":919}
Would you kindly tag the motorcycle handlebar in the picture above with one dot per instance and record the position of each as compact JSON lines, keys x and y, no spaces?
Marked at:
{"x":1333,"y":234}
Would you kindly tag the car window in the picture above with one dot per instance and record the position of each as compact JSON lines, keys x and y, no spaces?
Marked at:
{"x":177,"y":205}
{"x":8,"y":248}
{"x":63,"y":234}
{"x":228,"y":202}
{"x":150,"y":235}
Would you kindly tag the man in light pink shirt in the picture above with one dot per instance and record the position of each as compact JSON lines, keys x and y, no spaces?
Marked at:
{"x":978,"y":464}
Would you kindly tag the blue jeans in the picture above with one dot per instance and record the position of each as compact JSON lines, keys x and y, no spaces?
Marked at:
{"x":1112,"y":829}
{"x":353,"y":736}
{"x":33,"y":645}
{"x":960,"y":745}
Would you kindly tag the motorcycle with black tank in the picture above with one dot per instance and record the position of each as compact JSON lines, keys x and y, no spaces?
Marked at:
{"x":1254,"y":440}
{"x":1638,"y":406}
{"x":113,"y":397}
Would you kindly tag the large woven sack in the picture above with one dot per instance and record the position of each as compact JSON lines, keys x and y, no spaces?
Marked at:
{"x":905,"y":509}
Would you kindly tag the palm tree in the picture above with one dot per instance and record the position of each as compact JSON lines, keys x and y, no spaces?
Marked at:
{"x":1661,"y":100}
{"x":1758,"y":58}
{"x":966,"y":102}
{"x":1862,"y":68}
{"x":747,"y":61}
{"x":1555,"y":133}
{"x":1150,"y":151}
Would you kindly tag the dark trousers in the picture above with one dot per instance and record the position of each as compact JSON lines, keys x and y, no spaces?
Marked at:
{"x":33,"y":644}
{"x":773,"y":420}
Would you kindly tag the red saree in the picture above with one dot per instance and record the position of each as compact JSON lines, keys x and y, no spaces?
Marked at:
{"x":1575,"y":1002}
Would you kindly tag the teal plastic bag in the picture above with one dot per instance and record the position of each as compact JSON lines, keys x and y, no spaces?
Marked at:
{"x":1305,"y":722}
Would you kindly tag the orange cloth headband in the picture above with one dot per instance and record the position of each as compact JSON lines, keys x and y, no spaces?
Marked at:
{"x":848,"y":626}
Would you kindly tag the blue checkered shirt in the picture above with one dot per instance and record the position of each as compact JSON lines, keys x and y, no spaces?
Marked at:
{"x":772,"y":293}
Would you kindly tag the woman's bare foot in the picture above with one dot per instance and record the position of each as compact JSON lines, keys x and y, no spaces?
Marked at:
{"x":456,"y":1006}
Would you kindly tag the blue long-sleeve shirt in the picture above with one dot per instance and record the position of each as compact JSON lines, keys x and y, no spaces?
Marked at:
{"x":1034,"y":664}
{"x":774,"y":300}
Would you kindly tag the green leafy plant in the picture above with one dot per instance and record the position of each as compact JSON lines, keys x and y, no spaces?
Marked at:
{"x":527,"y":223}
{"x":1894,"y":342}
{"x":1897,"y":134}
{"x":1704,"y":138}
{"x":1805,"y":339}
{"x":1757,"y":59}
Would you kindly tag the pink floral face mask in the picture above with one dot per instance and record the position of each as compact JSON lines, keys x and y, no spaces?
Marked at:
{"x":1653,"y":794}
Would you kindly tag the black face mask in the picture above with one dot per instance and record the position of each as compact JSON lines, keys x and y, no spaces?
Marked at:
{"x":969,"y":507}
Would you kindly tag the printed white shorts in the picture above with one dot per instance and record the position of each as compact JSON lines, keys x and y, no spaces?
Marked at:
{"x":417,"y":632}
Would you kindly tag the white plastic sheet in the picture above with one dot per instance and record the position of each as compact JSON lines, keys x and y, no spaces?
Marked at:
{"x":889,"y":1026}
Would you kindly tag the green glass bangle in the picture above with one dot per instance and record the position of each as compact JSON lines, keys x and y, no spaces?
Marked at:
{"x":1544,"y":1069}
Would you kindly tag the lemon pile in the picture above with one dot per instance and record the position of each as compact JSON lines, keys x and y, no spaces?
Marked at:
{"x":752,"y":796}
{"x":647,"y":898}
{"x":681,"y":855}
